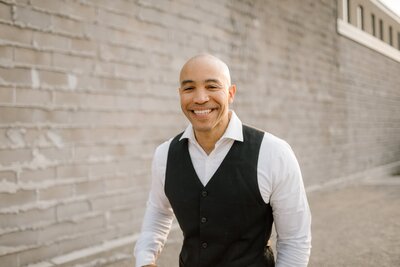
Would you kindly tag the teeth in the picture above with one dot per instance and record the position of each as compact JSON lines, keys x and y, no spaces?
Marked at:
{"x":205,"y":111}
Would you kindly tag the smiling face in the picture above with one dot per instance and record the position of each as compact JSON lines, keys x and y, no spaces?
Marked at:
{"x":205,"y":94}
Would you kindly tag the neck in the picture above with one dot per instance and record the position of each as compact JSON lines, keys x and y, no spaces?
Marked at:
{"x":208,"y":139}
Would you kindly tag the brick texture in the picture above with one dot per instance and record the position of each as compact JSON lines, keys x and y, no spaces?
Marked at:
{"x":88,"y":89}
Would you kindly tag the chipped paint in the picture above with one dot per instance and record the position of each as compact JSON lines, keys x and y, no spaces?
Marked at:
{"x":35,"y":78}
{"x":72,"y":81}
{"x":55,"y":139}
{"x":16,"y":136}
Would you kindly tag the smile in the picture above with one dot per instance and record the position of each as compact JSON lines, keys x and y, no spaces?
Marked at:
{"x":202,"y":112}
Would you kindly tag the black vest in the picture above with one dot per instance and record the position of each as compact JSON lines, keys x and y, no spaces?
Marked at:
{"x":225,"y":223}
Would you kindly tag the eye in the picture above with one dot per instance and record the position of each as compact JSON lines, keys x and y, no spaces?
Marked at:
{"x":188,"y":88}
{"x":212,"y":86}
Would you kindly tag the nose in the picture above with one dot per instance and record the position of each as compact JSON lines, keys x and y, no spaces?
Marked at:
{"x":201,"y":96}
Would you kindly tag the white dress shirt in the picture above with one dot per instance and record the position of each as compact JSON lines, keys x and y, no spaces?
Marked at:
{"x":279,"y":179}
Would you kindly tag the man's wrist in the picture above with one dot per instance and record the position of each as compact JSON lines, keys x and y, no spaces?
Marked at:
{"x":145,"y":258}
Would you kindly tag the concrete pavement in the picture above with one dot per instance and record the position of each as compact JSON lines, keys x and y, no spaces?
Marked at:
{"x":358,"y":225}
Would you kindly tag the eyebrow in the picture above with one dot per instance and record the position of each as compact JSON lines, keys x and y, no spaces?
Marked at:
{"x":213,"y":81}
{"x":186,"y":81}
{"x":207,"y":81}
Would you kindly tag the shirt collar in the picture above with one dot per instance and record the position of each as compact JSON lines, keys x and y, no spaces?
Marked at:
{"x":233,"y":131}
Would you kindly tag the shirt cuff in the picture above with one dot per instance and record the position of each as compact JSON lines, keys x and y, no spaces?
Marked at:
{"x":144,"y":258}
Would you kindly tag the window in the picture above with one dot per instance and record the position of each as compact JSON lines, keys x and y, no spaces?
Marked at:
{"x":348,"y":11}
{"x":373,"y":24}
{"x":398,"y":40}
{"x":381,"y":29}
{"x":390,"y":35}
{"x":360,"y":17}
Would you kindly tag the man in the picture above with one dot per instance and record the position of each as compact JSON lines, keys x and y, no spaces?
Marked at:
{"x":225,"y":182}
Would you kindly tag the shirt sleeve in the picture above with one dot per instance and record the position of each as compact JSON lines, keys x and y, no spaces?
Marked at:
{"x":281,"y":184}
{"x":158,"y":216}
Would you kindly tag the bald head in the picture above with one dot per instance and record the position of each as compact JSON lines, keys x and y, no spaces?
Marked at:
{"x":206,"y":63}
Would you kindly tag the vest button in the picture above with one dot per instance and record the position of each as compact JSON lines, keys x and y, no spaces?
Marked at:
{"x":203,"y":220}
{"x":204,"y":245}
{"x":204,"y":193}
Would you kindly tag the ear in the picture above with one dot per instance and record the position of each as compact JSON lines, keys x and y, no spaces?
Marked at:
{"x":232,"y":92}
